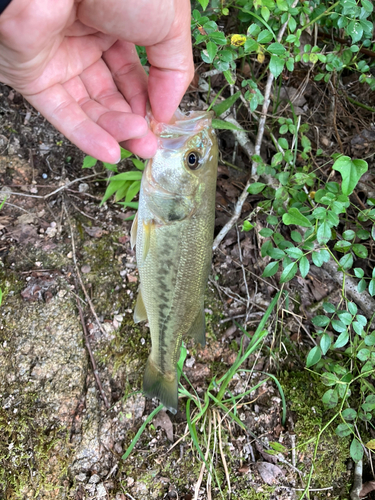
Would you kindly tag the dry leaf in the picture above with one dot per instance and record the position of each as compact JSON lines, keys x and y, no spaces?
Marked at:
{"x":162,"y":420}
{"x":269,"y":472}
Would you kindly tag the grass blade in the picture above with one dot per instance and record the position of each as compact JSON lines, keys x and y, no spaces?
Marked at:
{"x":139,"y":433}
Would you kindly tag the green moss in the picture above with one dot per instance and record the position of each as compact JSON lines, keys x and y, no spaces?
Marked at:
{"x":303,"y":395}
{"x":34,"y":458}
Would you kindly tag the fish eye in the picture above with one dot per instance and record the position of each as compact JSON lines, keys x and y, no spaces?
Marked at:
{"x":192,"y":160}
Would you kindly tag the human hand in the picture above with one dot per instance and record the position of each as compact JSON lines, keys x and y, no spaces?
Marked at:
{"x":76,"y":63}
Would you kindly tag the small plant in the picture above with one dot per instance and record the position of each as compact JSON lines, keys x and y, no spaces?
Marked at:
{"x":122,"y":185}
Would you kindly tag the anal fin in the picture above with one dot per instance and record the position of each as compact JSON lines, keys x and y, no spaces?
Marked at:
{"x":198,"y":328}
{"x":140,"y":313}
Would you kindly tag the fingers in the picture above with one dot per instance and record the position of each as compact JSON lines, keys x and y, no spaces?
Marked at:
{"x":131,"y":79}
{"x":60,"y":109}
{"x":144,"y":147}
{"x":172,"y":65}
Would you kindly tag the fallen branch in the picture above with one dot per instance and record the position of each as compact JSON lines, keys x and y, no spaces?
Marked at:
{"x":357,"y":481}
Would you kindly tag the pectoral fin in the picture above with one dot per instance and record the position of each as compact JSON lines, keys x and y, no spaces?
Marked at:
{"x":197,"y":330}
{"x":133,"y":231}
{"x":140,"y":313}
{"x":147,"y":229}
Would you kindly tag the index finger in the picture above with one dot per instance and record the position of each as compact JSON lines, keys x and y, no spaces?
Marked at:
{"x":172,"y":67}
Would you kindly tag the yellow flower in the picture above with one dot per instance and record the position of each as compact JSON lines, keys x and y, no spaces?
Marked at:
{"x":260,"y":57}
{"x":238,"y":40}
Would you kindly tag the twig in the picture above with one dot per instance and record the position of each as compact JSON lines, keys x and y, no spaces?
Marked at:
{"x":200,"y":478}
{"x":12,"y":193}
{"x":92,"y":359}
{"x":223,"y":457}
{"x":241,"y":200}
{"x":90,"y":304}
{"x":357,"y":482}
{"x":244,"y":275}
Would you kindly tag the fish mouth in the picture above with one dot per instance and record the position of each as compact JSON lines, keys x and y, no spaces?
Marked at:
{"x":181,"y":124}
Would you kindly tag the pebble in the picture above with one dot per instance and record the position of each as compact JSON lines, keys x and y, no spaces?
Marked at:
{"x":101,"y":492}
{"x":94,"y":479}
{"x":81,"y":477}
{"x":86,"y":269}
{"x":83,"y":187}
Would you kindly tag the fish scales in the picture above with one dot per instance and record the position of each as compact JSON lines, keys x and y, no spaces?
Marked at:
{"x":174,"y":232}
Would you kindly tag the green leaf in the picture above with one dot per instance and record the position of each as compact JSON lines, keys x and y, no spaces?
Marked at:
{"x":294,"y":252}
{"x":265,"y":13}
{"x":230,"y":77}
{"x":325,"y":343}
{"x":225,"y":105}
{"x":138,"y":164}
{"x":314,"y":356}
{"x":361,"y":286}
{"x":330,"y":398}
{"x":251,"y":45}
{"x":345,"y":317}
{"x":328,"y":307}
{"x":356,"y":450}
{"x":266,"y":232}
{"x":276,"y":49}
{"x":125,"y":153}
{"x":304,"y":266}
{"x":112,"y":187}
{"x":211,"y":48}
{"x":296,"y":236}
{"x":355,"y":30}
{"x":351,"y":171}
{"x":363,"y":354}
{"x":256,"y":187}
{"x":348,"y":235}
{"x":317,"y":259}
{"x":359,"y":273}
{"x":132,"y":191}
{"x":346,"y":262}
{"x":270,"y":269}
{"x":89,"y":162}
{"x":329,"y":379}
{"x":342,"y":340}
{"x":276,"y":65}
{"x":294,"y":216}
{"x":320,"y":320}
{"x":223,"y":125}
{"x":324,"y":233}
{"x":371,"y":287}
{"x":127,"y":176}
{"x":276,"y":253}
{"x":360,"y":250}
{"x":289,"y":272}
{"x":338,"y":326}
{"x":247,"y":226}
{"x":349,"y":414}
{"x":353,"y":309}
{"x":343,"y":430}
{"x":264,"y":36}
{"x":204,"y":3}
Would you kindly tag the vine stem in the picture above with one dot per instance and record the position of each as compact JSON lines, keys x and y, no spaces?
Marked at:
{"x":262,"y":121}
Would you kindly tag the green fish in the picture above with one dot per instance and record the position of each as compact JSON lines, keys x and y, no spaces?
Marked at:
{"x":173,"y":234}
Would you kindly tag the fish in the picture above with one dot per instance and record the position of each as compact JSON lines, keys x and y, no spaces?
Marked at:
{"x":173,"y":234}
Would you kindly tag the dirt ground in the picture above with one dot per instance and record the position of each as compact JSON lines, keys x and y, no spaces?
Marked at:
{"x":69,"y":281}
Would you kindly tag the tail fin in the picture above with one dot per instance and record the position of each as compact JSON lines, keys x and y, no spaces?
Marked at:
{"x":159,"y":385}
